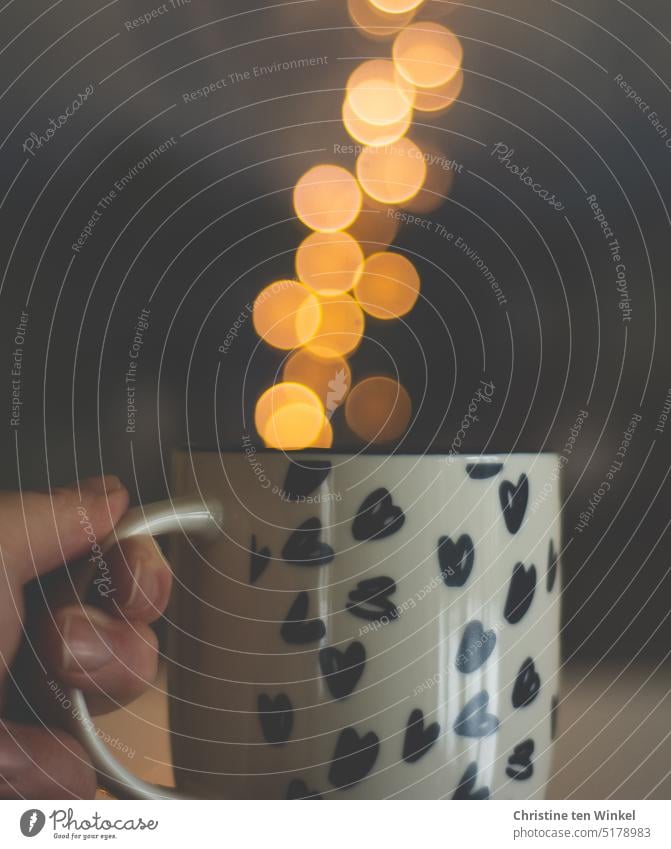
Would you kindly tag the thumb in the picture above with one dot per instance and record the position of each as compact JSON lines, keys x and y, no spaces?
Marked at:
{"x":39,"y":531}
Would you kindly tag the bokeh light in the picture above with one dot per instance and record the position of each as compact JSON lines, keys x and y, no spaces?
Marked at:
{"x":324,"y":438}
{"x":441,"y":97}
{"x":391,"y":174}
{"x":286,"y":314}
{"x":388,"y":286}
{"x":378,"y":409}
{"x":378,"y":94}
{"x":289,"y":416}
{"x":329,"y":262}
{"x":375,"y":23}
{"x":330,"y":379}
{"x":375,"y":228}
{"x":437,"y":183}
{"x":373,"y":134}
{"x":396,"y":7}
{"x":427,"y":54}
{"x":327,"y":198}
{"x":340,"y":329}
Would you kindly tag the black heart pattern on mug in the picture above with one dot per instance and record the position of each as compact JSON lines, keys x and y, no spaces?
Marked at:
{"x":370,"y":600}
{"x":482,"y":471}
{"x":466,"y":787}
{"x":298,"y":789}
{"x":418,"y":739}
{"x":297,"y":628}
{"x":552,"y":567}
{"x":527,"y":684}
{"x":475,"y":647}
{"x":520,"y":592}
{"x":353,"y":758}
{"x":377,"y":517}
{"x":519,"y":763}
{"x":304,"y":547}
{"x":276,"y":715}
{"x":473,"y":719}
{"x":456,"y":560}
{"x":258,"y":561}
{"x":554,"y":716}
{"x":514,"y":499}
{"x":304,"y":477}
{"x":342,"y":669}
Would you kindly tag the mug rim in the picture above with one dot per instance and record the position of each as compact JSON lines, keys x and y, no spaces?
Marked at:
{"x":492,"y":457}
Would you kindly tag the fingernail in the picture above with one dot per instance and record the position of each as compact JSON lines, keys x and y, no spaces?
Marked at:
{"x":145,"y":585}
{"x":101,"y":485}
{"x":86,"y":641}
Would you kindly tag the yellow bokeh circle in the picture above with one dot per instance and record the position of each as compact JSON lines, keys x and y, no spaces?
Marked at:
{"x":378,"y":410}
{"x":391,"y":174}
{"x":327,"y":198}
{"x":427,"y":54}
{"x":388,"y":286}
{"x":329,"y":262}
{"x":289,"y":416}
{"x":341,"y":327}
{"x":286,"y":314}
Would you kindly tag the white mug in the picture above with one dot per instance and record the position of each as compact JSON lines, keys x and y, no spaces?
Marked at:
{"x":357,"y":626}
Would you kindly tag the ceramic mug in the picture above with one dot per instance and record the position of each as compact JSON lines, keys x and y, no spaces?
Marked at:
{"x":357,"y":626}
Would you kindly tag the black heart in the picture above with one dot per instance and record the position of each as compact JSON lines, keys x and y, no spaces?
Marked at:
{"x":514,"y":499}
{"x":482,"y":471}
{"x":276,"y":715}
{"x":527,"y":684}
{"x":554,"y":716}
{"x":304,"y":548}
{"x":475,"y":647}
{"x":259,"y":561}
{"x":297,"y":629}
{"x":465,"y":789}
{"x":353,"y":758}
{"x":418,"y":740}
{"x":456,"y":560}
{"x":298,"y":789}
{"x":304,"y":477}
{"x":519,"y":763}
{"x":520,"y":592}
{"x":377,"y":517}
{"x":373,"y":592}
{"x":342,"y":669}
{"x":473,"y":719}
{"x":552,"y":567}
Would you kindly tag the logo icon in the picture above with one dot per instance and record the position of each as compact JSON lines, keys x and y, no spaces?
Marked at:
{"x":32,"y":822}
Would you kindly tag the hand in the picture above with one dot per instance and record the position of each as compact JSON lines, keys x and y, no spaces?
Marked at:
{"x":106,"y":649}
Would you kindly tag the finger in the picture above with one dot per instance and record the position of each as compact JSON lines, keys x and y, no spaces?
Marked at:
{"x":138,"y":582}
{"x":42,"y":763}
{"x":38,"y":531}
{"x":111,"y":661}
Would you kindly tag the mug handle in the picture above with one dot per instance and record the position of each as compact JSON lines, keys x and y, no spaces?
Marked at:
{"x":183,"y":514}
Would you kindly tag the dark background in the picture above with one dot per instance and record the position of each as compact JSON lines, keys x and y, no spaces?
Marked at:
{"x":197,"y":234}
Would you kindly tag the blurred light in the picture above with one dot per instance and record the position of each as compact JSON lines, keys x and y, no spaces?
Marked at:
{"x":341,"y":327}
{"x":441,"y":97}
{"x":375,"y":228}
{"x":329,"y":262}
{"x":378,"y":94}
{"x":286,"y":314}
{"x":437,"y":183}
{"x":329,"y":379}
{"x":374,"y":22}
{"x":396,"y":7}
{"x":327,"y":198}
{"x":427,"y":54}
{"x":391,"y":174}
{"x":372,"y":134}
{"x":378,"y":409}
{"x":388,"y":286}
{"x":289,"y":416}
{"x":325,"y":437}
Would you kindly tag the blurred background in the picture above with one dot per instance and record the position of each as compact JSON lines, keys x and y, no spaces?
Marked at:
{"x":194,"y":236}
